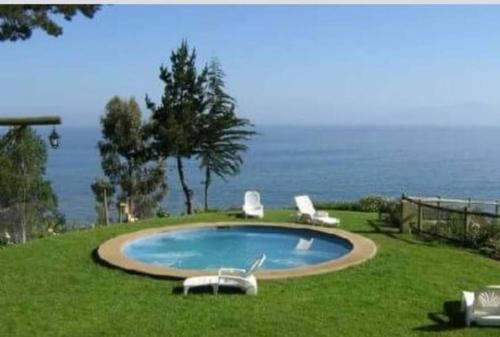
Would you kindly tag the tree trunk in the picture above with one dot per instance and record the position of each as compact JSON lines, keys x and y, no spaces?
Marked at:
{"x":24,"y":188}
{"x":207,"y":185}
{"x":106,"y":212}
{"x":185,"y":188}
{"x":23,"y":224}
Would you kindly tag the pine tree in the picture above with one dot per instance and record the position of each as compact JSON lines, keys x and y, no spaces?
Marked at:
{"x":175,"y":121}
{"x":18,"y":21}
{"x":222,"y":133}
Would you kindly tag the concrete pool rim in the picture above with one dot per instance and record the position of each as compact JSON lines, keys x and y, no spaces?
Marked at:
{"x":111,"y":252}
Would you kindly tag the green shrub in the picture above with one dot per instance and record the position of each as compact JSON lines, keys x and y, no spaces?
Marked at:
{"x":162,"y":213}
{"x":385,"y":206}
{"x":339,"y":205}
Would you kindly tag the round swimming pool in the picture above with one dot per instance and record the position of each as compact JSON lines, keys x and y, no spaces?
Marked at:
{"x":291,"y":250}
{"x":236,"y":247}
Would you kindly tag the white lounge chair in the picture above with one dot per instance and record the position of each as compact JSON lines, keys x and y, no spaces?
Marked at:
{"x":252,"y":206}
{"x":309,"y":214}
{"x":483,"y":306}
{"x":230,"y":277}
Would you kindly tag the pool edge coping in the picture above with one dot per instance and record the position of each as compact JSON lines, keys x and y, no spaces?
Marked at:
{"x":111,"y":252}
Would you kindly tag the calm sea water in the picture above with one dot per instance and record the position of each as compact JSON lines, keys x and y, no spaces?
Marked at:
{"x":328,"y":163}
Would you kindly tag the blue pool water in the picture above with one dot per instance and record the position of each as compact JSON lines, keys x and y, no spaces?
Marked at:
{"x":236,"y":247}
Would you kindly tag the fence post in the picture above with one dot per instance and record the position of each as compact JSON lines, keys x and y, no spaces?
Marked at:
{"x":419,"y":215}
{"x":438,"y":204}
{"x":406,"y":215}
{"x":466,"y":220}
{"x":106,"y":213}
{"x":497,"y":206}
{"x":401,"y":214}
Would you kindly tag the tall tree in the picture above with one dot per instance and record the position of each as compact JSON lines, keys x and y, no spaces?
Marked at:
{"x":222,"y":133}
{"x":175,"y":121}
{"x":28,"y":205}
{"x":126,"y":158}
{"x":17,"y":22}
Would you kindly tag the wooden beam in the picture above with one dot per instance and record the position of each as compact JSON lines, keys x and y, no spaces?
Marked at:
{"x":454,"y":201}
{"x":26,"y":121}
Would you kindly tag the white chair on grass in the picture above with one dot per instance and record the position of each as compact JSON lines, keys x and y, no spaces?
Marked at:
{"x":308,"y":213}
{"x":228,"y":277}
{"x":252,"y":206}
{"x":482,"y":307}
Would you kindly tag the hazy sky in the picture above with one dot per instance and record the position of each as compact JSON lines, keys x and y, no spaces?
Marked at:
{"x":284,"y":64}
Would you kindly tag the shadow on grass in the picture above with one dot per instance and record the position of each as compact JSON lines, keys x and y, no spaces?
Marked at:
{"x":452,"y":318}
{"x":176,"y":290}
{"x":235,"y":214}
{"x":95,"y":257}
{"x":179,"y":290}
{"x":380,"y":227}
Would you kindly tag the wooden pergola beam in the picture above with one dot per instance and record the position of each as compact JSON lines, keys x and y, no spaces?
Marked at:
{"x":26,"y":121}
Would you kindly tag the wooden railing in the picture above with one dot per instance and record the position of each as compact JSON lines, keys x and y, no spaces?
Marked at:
{"x":451,"y":222}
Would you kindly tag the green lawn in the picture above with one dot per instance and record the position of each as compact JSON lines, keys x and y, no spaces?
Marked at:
{"x":54,"y":287}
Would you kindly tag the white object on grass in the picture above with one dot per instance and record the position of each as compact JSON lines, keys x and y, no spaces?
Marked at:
{"x":483,"y":306}
{"x":252,"y":206}
{"x":308,"y":213}
{"x":230,"y":277}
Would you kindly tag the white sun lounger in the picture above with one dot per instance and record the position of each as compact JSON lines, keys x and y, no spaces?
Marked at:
{"x":230,"y":277}
{"x":482,"y":307}
{"x":252,"y":206}
{"x":309,"y":214}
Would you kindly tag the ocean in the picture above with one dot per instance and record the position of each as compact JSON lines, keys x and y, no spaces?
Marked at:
{"x":328,"y":163}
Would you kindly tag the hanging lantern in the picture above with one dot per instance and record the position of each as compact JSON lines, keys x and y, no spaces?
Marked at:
{"x":54,"y":139}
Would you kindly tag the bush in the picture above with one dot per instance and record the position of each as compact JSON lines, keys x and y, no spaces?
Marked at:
{"x":389,"y":207}
{"x":372,"y":203}
{"x":162,"y":213}
{"x":339,"y":205}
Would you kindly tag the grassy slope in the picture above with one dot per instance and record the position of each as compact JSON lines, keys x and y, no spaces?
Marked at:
{"x":53,"y":287}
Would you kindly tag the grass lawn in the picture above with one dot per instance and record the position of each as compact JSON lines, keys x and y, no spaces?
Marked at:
{"x":54,"y":287}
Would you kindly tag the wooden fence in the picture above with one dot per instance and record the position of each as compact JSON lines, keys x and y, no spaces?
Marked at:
{"x":451,"y":219}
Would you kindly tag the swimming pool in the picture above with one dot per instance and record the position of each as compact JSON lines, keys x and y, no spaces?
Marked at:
{"x":236,"y":247}
{"x":291,"y":250}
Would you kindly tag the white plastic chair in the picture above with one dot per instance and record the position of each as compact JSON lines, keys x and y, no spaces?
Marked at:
{"x":252,"y":206}
{"x":308,"y":213}
{"x":482,"y":307}
{"x":231,"y":277}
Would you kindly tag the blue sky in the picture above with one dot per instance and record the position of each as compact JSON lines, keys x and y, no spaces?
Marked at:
{"x":284,"y":64}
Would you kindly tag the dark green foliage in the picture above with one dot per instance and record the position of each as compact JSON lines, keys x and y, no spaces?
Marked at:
{"x":222,"y":133}
{"x":197,"y":117}
{"x":162,"y":213}
{"x":365,"y":204}
{"x":127,"y":158}
{"x":100,"y":186}
{"x":485,"y":235}
{"x":388,"y":208}
{"x":176,"y":121}
{"x":28,"y":205}
{"x":339,"y":205}
{"x":18,"y":21}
